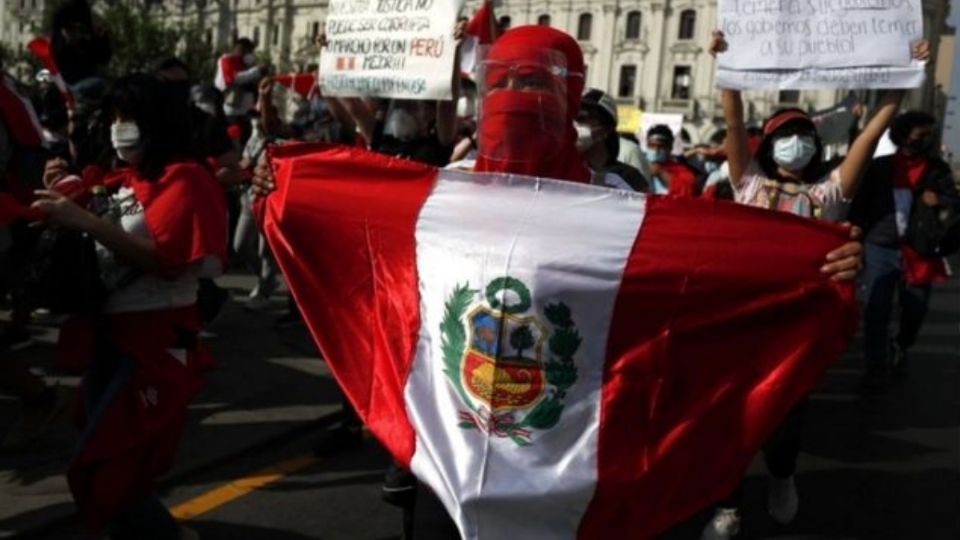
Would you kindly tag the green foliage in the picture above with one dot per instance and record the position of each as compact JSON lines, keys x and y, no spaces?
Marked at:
{"x":521,"y":339}
{"x":562,"y":375}
{"x":558,"y":314}
{"x":508,"y":283}
{"x":454,"y":335}
{"x":545,"y":415}
{"x":140,"y":38}
{"x":565,"y":341}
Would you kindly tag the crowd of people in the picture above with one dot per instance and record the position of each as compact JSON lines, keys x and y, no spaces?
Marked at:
{"x":122,"y":200}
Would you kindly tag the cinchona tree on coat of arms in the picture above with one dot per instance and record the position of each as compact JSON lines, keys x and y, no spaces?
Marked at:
{"x":510,"y":370}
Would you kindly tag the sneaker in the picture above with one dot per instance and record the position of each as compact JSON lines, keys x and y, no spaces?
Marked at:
{"x":337,"y":439}
{"x":15,"y":338}
{"x":725,"y":524}
{"x":35,"y":421}
{"x":782,"y":500}
{"x":257,"y":302}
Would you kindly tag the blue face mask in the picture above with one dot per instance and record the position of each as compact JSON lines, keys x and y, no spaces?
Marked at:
{"x":656,"y":156}
{"x":795,"y":152}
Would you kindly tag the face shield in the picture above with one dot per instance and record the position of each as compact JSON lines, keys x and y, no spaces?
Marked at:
{"x":523,"y":113}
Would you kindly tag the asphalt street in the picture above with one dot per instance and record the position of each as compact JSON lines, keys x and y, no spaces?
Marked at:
{"x":884,"y":466}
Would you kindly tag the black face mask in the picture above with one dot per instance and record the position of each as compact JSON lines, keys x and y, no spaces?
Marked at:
{"x":920,"y":146}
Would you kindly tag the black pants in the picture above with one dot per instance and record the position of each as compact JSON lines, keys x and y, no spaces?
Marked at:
{"x":780,"y":451}
{"x":430,"y":518}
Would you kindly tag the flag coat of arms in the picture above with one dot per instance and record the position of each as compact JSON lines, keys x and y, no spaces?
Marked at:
{"x":555,"y":360}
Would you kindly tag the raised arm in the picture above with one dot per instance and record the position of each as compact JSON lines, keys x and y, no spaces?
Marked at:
{"x":738,"y":153}
{"x":863,"y":147}
{"x":447,"y":110}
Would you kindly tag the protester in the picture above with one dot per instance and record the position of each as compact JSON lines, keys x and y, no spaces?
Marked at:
{"x":210,"y":141}
{"x":786,"y":174}
{"x":599,"y":142}
{"x":903,"y":189}
{"x":162,"y":229}
{"x":527,"y":127}
{"x":237,"y":76}
{"x":670,"y":175}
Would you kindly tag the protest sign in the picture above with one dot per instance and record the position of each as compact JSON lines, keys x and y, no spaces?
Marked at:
{"x":674,"y":121}
{"x":820,"y":44}
{"x":389,"y":48}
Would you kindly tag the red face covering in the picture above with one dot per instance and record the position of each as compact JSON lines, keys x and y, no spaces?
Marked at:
{"x":528,"y":131}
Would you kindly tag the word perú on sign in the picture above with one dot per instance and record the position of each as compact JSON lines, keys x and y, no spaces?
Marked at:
{"x":389,"y":48}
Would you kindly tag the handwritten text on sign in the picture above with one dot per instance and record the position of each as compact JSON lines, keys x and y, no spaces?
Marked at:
{"x":820,"y":43}
{"x":389,"y":48}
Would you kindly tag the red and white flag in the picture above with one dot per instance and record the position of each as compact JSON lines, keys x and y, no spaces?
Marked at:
{"x":40,"y":47}
{"x":555,"y":360}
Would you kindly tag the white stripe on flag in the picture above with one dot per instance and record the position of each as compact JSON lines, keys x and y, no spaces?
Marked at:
{"x":567,"y":243}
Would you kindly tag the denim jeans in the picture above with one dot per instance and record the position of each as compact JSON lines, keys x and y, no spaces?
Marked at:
{"x":883,"y":281}
{"x":251,"y":247}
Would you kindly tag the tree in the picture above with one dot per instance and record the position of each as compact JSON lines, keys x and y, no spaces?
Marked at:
{"x":521,"y":338}
{"x":140,"y":38}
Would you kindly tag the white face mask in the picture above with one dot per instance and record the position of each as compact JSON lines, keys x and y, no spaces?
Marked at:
{"x":795,"y":152}
{"x":584,"y":136}
{"x":249,"y":59}
{"x":125,"y":138}
{"x":401,"y":124}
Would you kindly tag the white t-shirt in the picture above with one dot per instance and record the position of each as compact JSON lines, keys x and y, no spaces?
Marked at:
{"x":132,"y":289}
{"x":822,"y":199}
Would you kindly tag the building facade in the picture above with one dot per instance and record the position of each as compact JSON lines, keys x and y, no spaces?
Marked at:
{"x":650,"y":54}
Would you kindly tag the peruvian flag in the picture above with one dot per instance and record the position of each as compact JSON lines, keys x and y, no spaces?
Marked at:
{"x":481,"y":30}
{"x":301,"y":83}
{"x":555,"y":360}
{"x":40,"y":47}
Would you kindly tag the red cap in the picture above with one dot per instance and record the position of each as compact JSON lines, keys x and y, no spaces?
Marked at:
{"x":778,"y":120}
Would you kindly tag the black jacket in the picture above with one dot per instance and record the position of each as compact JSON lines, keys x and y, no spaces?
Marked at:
{"x":873,"y":207}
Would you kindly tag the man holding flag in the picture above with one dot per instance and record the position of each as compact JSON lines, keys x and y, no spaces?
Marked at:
{"x":629,"y":337}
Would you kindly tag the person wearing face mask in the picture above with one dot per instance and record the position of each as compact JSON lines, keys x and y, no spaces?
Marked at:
{"x":162,"y":229}
{"x":237,"y":76}
{"x":909,"y":186}
{"x":531,"y":84}
{"x":670,"y":175}
{"x":786,"y":174}
{"x":598,"y":141}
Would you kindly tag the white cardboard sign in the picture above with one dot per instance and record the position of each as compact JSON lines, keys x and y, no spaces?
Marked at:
{"x":400,"y":49}
{"x":805,"y":44}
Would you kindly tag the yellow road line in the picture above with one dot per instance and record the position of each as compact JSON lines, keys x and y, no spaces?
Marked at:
{"x":240,"y":487}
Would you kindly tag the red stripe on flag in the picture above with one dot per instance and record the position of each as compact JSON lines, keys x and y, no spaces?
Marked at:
{"x":40,"y":47}
{"x":357,"y":286}
{"x":702,"y":366}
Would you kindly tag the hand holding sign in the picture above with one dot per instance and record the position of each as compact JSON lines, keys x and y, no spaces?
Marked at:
{"x":820,"y":44}
{"x":389,"y":48}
